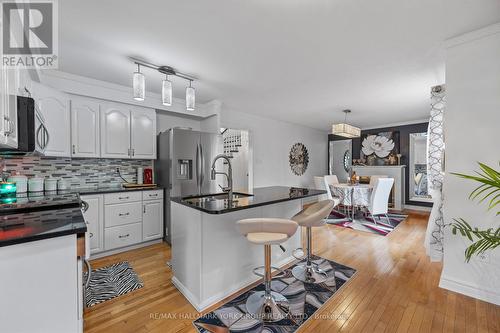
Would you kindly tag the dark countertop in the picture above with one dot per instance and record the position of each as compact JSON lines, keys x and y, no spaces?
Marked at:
{"x":110,"y":189}
{"x":27,"y":227}
{"x":33,"y":216}
{"x":261,"y":197}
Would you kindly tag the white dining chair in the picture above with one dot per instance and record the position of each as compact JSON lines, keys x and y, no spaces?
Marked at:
{"x":331,"y":179}
{"x":321,"y":184}
{"x":379,"y":201}
{"x":374,"y":178}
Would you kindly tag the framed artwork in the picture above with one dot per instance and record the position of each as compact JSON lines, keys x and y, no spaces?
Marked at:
{"x":377,"y":147}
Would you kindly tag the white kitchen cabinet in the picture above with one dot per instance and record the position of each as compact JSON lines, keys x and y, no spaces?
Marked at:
{"x":143,"y":133}
{"x":95,"y":222}
{"x":85,"y":135}
{"x":152,"y":219}
{"x":55,"y":109}
{"x":9,"y":83}
{"x":115,"y":130}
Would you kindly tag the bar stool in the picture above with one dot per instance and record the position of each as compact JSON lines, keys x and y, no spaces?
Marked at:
{"x":267,"y":305}
{"x":312,"y":216}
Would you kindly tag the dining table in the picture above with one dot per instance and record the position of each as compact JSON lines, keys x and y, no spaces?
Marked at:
{"x":352,"y":195}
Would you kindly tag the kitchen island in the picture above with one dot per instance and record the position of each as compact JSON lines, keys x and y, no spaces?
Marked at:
{"x":210,"y":258}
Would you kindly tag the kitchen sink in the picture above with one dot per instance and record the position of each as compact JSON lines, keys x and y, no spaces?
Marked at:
{"x":202,"y":199}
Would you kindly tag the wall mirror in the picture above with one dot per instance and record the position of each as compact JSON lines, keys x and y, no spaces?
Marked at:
{"x":418,"y":168}
{"x":237,"y":146}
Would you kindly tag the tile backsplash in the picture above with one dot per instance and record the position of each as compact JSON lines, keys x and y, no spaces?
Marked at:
{"x":81,"y":172}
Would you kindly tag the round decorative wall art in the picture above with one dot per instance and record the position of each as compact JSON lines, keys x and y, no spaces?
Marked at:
{"x":299,"y":159}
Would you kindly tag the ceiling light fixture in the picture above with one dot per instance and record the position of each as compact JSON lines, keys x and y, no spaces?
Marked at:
{"x":346,"y":130}
{"x":190,"y":97}
{"x":166,"y":91}
{"x":166,"y":88}
{"x":139,"y":84}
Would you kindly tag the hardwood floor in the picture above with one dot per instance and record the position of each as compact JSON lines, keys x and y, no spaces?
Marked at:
{"x":395,"y":290}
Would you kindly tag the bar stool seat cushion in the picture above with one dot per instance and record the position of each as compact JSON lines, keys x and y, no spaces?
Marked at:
{"x":263,"y":238}
{"x":314,"y":215}
{"x":267,"y":230}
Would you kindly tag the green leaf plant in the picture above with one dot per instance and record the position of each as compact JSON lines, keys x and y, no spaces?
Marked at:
{"x":487,"y":192}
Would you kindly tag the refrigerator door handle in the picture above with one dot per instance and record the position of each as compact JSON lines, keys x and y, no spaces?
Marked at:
{"x":198,"y":166}
{"x":202,"y":169}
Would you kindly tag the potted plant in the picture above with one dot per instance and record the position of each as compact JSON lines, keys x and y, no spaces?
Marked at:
{"x":488,"y":191}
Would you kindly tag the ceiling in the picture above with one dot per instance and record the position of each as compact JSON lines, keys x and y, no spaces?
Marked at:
{"x":301,"y":61}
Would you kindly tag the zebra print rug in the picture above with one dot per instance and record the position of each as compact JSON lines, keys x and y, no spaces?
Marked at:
{"x":109,"y":282}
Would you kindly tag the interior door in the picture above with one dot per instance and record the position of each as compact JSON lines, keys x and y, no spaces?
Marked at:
{"x":85,"y":128}
{"x":211,"y":146}
{"x":143,"y":133}
{"x":185,"y":171}
{"x":115,"y":131}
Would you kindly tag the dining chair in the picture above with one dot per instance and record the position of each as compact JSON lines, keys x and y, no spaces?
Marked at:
{"x":379,"y":201}
{"x":321,"y":184}
{"x":374,"y":178}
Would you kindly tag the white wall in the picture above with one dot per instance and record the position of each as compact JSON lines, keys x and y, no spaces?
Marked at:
{"x":271,"y":140}
{"x":472,"y":133}
{"x":166,"y":120}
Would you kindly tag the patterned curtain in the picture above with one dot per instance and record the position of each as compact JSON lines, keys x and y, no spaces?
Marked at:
{"x":435,"y":176}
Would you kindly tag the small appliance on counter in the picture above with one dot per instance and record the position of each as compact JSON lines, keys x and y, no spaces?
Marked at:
{"x":7,"y":189}
{"x":21,"y":182}
{"x":148,"y":176}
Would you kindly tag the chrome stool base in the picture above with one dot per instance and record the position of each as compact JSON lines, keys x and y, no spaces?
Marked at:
{"x":270,"y":308}
{"x":309,"y":274}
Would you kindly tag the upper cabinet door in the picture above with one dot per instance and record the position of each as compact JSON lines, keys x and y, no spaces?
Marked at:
{"x":115,"y":131}
{"x":85,"y":128}
{"x":143,"y":133}
{"x":55,"y":109}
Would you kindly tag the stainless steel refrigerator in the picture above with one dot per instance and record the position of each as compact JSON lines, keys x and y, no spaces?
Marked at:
{"x":183,"y":165}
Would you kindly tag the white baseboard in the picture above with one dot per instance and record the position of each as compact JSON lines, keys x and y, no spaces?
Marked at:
{"x":464,"y":288}
{"x":123,"y":249}
{"x":422,"y":208}
{"x":185,"y":291}
{"x":207,"y":303}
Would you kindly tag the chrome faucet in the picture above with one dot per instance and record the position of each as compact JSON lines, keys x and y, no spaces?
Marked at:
{"x":229,"y":175}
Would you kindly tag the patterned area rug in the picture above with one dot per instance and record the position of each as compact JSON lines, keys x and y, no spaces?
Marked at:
{"x":110,"y":282}
{"x":379,"y":226}
{"x":305,"y":299}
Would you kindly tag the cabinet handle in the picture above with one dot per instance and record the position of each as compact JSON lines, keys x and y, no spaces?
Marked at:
{"x":144,"y":208}
{"x":123,"y":236}
{"x":122,"y":198}
{"x":74,"y":150}
{"x":153,"y":195}
{"x":124,"y":214}
{"x":8,"y":131}
{"x":133,"y":152}
{"x":91,"y":235}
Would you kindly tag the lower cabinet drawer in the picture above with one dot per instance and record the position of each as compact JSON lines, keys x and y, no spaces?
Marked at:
{"x":123,"y":235}
{"x":120,"y":214}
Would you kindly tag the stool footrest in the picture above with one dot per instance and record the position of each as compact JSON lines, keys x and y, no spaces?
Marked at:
{"x":303,"y":254}
{"x":280,"y":275}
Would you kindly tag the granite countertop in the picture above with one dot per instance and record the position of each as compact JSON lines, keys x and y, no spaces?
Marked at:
{"x":261,"y":197}
{"x":27,"y":227}
{"x":110,"y":189}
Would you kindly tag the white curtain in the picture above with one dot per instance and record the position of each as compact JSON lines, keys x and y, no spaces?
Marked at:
{"x":435,"y":155}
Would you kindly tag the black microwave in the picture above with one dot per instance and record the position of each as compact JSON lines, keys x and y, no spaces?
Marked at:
{"x":31,"y":132}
